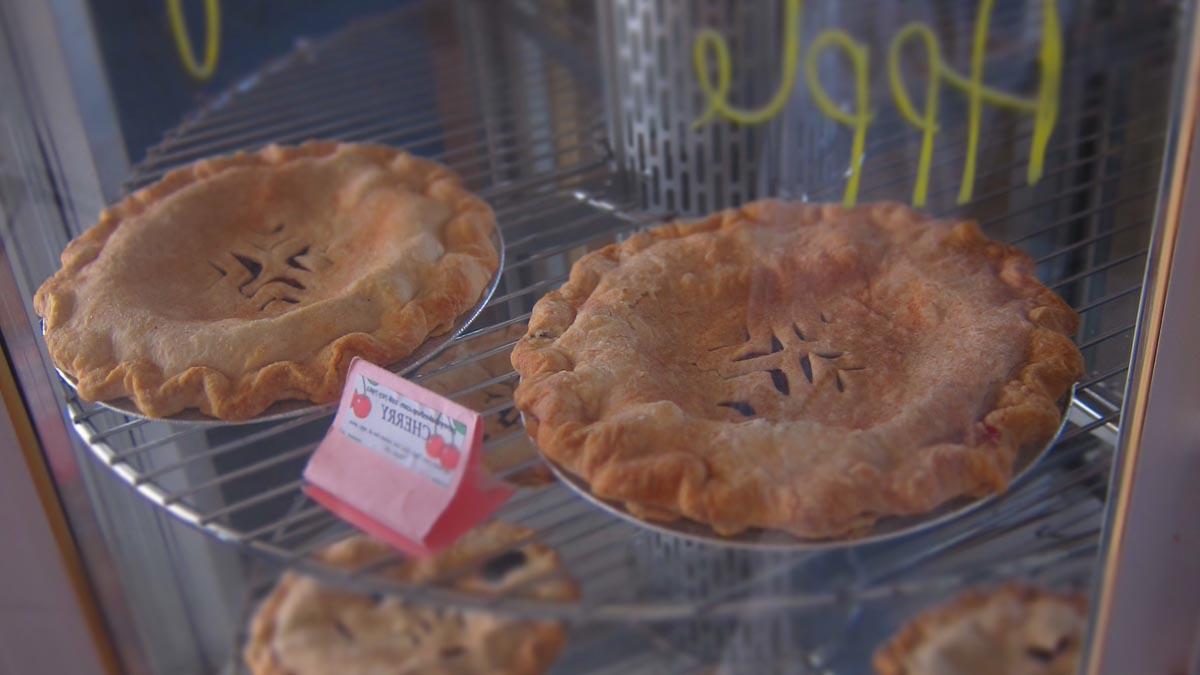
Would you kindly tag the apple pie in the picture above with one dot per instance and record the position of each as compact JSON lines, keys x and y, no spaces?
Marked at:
{"x":306,"y":628}
{"x":797,"y":367}
{"x":1014,"y":630}
{"x":253,"y":278}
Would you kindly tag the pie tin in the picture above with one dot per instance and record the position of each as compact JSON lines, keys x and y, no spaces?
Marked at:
{"x":282,"y":410}
{"x":884,"y":529}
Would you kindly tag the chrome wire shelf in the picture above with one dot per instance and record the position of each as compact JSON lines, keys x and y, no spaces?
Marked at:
{"x":475,"y":88}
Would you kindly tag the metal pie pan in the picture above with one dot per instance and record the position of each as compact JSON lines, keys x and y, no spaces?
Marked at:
{"x":890,"y":527}
{"x":282,"y":410}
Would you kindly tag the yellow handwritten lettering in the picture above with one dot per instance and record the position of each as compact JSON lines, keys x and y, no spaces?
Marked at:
{"x":860,"y":118}
{"x":1050,"y":60}
{"x":711,"y":46}
{"x":987,"y":94}
{"x":183,"y":44}
{"x":1044,"y":107}
{"x":975,"y":100}
{"x":926,"y":120}
{"x":717,"y":95}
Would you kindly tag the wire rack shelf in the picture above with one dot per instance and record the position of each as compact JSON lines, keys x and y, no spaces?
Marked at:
{"x":473,"y":86}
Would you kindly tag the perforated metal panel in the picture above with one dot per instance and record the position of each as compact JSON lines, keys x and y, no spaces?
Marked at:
{"x":653,"y":98}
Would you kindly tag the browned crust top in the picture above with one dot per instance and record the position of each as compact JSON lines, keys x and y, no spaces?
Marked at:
{"x":634,"y":439}
{"x":80,"y":329}
{"x":539,"y":642}
{"x":890,"y":659}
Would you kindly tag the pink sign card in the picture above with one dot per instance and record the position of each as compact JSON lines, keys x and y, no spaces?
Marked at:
{"x":402,"y":463}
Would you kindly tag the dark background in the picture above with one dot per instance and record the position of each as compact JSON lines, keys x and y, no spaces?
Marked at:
{"x":152,"y":91}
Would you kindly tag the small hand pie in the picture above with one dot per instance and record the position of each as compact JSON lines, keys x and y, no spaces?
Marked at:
{"x":244,"y":280}
{"x":1014,"y":630}
{"x":305,"y":628}
{"x":797,"y":367}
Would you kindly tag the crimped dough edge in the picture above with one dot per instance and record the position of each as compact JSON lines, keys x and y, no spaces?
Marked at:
{"x":542,"y":642}
{"x":318,"y":379}
{"x":890,"y":658}
{"x":674,"y":482}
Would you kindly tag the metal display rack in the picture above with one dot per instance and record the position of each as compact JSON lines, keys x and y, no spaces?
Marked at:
{"x":501,"y":93}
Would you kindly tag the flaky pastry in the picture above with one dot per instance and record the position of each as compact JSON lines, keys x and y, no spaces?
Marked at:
{"x":1013,"y":630}
{"x":306,"y":628}
{"x":243,"y":280}
{"x":805,"y":368}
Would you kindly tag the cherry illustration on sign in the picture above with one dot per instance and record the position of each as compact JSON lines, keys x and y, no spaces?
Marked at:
{"x":446,"y":453}
{"x":359,"y":403}
{"x":434,"y":447}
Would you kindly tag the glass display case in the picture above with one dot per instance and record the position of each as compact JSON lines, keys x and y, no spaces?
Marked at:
{"x":576,"y":121}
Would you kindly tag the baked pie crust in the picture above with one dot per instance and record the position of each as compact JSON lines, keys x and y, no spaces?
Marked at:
{"x":805,"y":368}
{"x":1014,"y":630}
{"x":305,"y":628}
{"x":248,"y":279}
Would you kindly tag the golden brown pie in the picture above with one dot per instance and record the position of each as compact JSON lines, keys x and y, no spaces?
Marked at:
{"x":805,"y":368}
{"x":1014,"y":630}
{"x":243,"y":280}
{"x":305,"y":628}
{"x":478,"y":374}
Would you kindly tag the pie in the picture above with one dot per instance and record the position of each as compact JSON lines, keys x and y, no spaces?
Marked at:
{"x":248,"y":279}
{"x":797,"y":367}
{"x":477,"y":373}
{"x":1013,"y":630}
{"x":305,"y":628}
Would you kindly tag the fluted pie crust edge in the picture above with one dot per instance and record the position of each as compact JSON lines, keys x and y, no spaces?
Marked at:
{"x":79,"y":330}
{"x":615,"y":444}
